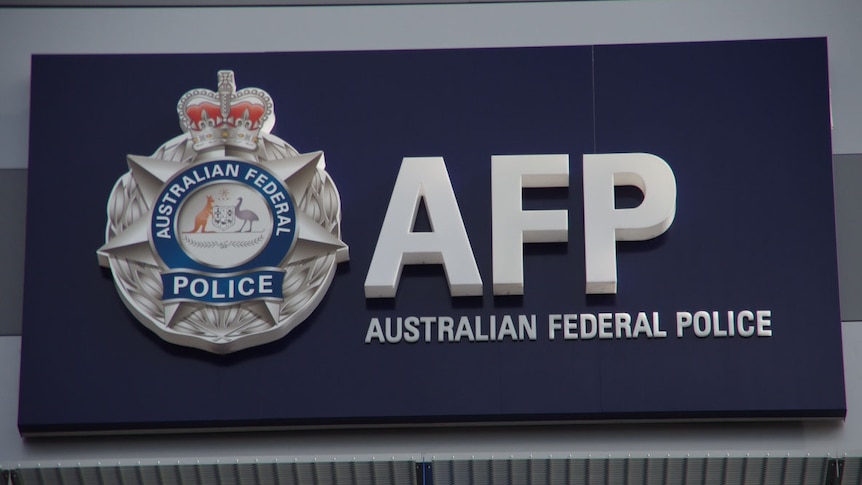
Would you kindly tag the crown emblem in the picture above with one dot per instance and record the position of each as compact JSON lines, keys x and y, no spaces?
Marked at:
{"x":226,"y":118}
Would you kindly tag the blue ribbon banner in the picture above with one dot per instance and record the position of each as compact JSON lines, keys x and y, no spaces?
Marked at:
{"x":260,"y":284}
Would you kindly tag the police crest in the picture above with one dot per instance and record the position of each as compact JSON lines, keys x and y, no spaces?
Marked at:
{"x":226,"y":237}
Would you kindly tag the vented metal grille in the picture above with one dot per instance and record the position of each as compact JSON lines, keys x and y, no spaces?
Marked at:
{"x":471,"y":470}
{"x":851,"y":472}
{"x":621,"y":471}
{"x":259,"y":473}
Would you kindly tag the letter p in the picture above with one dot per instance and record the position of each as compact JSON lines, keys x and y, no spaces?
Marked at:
{"x":180,"y":282}
{"x":604,"y":224}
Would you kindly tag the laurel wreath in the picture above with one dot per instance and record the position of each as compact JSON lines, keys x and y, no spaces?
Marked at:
{"x":223,"y":244}
{"x":302,"y":282}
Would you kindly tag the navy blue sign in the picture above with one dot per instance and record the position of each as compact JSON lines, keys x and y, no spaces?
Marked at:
{"x":730,"y":312}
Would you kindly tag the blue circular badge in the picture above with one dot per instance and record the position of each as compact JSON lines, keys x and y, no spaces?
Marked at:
{"x":223,"y":216}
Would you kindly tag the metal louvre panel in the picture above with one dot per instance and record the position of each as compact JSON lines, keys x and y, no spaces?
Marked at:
{"x":597,"y":471}
{"x":725,"y":470}
{"x":852,"y":472}
{"x":635,"y":471}
{"x":521,"y":471}
{"x":384,"y":472}
{"x":672,"y":467}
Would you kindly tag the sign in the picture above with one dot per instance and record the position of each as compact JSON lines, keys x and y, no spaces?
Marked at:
{"x":535,"y":234}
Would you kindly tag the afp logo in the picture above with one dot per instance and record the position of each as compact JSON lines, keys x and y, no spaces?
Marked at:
{"x":226,"y":237}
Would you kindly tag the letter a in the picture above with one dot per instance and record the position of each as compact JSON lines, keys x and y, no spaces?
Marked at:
{"x":447,"y":244}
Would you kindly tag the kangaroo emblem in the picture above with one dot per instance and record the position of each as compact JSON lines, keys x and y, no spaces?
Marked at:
{"x":203,"y":215}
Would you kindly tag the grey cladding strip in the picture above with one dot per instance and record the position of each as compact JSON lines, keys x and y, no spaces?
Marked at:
{"x":848,"y":214}
{"x":13,"y":199}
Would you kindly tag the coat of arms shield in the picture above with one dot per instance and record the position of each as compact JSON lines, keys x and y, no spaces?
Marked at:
{"x":224,"y":217}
